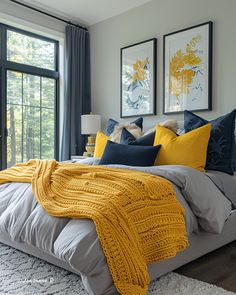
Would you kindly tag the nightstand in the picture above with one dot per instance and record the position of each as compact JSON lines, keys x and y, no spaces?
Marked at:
{"x":73,"y":158}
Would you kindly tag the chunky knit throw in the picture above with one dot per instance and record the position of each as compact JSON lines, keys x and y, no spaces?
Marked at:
{"x":137,"y":216}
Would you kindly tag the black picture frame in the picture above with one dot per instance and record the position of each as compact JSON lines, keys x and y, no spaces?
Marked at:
{"x":153,"y":67}
{"x":209,"y":24}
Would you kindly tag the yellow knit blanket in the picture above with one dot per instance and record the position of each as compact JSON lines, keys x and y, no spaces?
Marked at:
{"x":137,"y":216}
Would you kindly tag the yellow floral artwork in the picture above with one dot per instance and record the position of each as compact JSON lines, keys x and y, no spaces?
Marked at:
{"x":183,"y":68}
{"x":139,"y":69}
{"x":138,"y":78}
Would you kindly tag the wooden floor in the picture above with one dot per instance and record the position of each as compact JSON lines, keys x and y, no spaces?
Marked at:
{"x":217,"y":268}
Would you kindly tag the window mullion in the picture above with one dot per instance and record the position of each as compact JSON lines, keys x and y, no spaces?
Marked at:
{"x":27,"y":69}
{"x":3,"y":138}
{"x":22,"y":116}
{"x":40,"y":128}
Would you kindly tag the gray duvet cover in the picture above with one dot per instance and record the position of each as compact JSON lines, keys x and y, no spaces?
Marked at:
{"x":75,"y":240}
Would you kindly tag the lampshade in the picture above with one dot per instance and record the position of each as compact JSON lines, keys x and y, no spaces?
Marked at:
{"x":90,"y":124}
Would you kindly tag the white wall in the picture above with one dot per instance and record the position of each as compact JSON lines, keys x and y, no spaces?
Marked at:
{"x":25,"y":14}
{"x":155,"y":19}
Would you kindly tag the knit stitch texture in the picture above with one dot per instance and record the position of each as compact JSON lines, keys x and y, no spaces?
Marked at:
{"x":137,"y":216}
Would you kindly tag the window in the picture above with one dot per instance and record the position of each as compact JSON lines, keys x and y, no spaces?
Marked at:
{"x":29,"y":96}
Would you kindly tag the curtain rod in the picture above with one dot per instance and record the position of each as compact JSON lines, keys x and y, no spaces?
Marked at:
{"x":48,"y":14}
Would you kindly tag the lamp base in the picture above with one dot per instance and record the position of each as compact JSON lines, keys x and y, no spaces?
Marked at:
{"x":87,"y":155}
{"x":90,"y":146}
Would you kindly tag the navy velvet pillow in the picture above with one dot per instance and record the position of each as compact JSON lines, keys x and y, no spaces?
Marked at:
{"x":132,"y":155}
{"x":112,"y":123}
{"x":234,"y":151}
{"x":220,"y":147}
{"x":128,"y":138}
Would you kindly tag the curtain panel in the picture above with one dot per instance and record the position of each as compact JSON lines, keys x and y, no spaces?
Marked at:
{"x":77,"y":100}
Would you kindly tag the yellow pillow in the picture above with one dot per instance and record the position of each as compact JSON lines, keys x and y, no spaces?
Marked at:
{"x":189,"y":149}
{"x":100,"y":144}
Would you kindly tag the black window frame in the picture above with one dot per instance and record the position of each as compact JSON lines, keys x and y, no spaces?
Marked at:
{"x":6,"y":65}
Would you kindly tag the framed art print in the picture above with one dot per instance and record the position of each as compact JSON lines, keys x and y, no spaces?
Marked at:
{"x":138,"y":79}
{"x":188,"y":69}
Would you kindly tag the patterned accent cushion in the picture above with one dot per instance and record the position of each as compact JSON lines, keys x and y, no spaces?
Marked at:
{"x":221,"y":143}
{"x":131,"y":127}
{"x":110,"y":126}
{"x":112,"y":123}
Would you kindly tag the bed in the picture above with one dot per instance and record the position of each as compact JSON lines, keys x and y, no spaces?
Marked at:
{"x":73,"y":244}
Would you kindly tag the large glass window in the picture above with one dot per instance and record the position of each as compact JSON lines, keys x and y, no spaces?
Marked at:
{"x":30,"y":50}
{"x":29,"y":81}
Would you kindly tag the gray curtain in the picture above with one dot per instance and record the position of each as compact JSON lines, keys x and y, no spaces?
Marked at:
{"x":77,"y":90}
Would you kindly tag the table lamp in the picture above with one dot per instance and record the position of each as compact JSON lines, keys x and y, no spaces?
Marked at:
{"x":90,"y":125}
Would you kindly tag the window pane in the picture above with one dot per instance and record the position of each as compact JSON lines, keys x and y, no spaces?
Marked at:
{"x":48,"y":93}
{"x":14,"y":87}
{"x":30,"y":117}
{"x":14,"y":127}
{"x":31,"y":51}
{"x":47,"y":151}
{"x":31,"y":138}
{"x":31,"y":90}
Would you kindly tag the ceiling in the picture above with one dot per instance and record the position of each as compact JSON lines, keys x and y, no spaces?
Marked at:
{"x":88,"y":12}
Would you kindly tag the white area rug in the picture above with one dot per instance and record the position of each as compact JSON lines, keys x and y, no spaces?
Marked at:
{"x":22,"y":274}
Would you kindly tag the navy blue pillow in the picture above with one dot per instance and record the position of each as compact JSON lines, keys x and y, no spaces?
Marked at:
{"x":112,"y":123}
{"x":234,"y":151}
{"x":128,"y":138}
{"x":220,"y":147}
{"x":132,"y":155}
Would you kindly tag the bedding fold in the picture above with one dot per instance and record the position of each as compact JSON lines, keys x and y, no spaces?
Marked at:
{"x":208,"y":203}
{"x":137,"y":216}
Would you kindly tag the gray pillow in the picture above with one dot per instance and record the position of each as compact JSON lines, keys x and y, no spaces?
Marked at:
{"x":226,"y":184}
